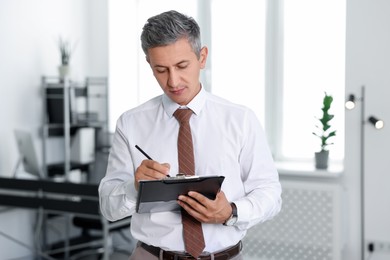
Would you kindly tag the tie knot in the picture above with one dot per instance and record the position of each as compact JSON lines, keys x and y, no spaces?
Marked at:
{"x":183,"y":115}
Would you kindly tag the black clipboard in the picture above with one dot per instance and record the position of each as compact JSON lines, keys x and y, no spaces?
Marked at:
{"x":161,"y":195}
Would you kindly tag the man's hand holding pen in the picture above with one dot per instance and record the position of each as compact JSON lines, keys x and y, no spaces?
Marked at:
{"x":151,"y":170}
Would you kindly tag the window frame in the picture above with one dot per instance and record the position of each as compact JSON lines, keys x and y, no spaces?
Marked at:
{"x":273,"y":74}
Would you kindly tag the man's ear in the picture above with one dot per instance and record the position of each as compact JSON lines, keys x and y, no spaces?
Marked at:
{"x":203,"y":57}
{"x":147,"y":59}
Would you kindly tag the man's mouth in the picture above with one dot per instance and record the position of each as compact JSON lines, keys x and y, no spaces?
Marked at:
{"x":177,"y":91}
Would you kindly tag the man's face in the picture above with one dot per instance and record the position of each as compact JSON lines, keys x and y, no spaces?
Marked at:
{"x":177,"y":70}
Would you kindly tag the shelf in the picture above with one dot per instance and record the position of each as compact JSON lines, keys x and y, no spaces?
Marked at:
{"x":69,"y":108}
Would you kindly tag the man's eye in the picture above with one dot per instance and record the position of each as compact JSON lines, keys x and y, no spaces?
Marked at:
{"x":182,"y":66}
{"x":161,"y":70}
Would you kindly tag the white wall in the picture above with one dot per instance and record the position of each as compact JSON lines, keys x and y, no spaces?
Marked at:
{"x":367,"y":63}
{"x":29,"y":30}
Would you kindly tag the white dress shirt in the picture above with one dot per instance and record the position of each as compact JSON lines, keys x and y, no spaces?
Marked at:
{"x":228,"y":140}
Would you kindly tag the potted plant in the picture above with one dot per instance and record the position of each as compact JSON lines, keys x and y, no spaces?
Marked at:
{"x":324,"y":132}
{"x":66,"y":52}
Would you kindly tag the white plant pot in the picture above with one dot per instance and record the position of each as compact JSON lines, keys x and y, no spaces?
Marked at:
{"x":64,"y":71}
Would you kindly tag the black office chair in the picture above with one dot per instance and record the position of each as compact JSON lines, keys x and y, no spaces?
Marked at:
{"x":92,"y":232}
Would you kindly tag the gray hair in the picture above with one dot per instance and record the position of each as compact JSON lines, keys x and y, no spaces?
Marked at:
{"x":167,"y":28}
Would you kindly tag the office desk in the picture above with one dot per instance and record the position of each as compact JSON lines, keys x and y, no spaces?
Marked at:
{"x":58,"y":198}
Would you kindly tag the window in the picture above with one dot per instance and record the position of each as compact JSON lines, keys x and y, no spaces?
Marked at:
{"x":238,"y":52}
{"x":277,"y":57}
{"x":313,"y":62}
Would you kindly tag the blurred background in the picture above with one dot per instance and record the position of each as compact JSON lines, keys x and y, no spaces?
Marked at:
{"x":281,"y":57}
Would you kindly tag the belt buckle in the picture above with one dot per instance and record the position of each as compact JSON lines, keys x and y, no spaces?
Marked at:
{"x":183,"y":257}
{"x":176,"y":257}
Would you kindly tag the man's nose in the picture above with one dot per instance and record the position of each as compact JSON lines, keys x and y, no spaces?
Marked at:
{"x":173,"y":80}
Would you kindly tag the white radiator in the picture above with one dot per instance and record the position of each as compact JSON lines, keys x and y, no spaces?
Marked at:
{"x":308,"y":226}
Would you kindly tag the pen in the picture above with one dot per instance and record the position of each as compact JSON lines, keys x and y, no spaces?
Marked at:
{"x":146,"y":155}
{"x":142,"y":151}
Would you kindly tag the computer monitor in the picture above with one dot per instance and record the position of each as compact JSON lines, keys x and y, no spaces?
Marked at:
{"x":27,"y":155}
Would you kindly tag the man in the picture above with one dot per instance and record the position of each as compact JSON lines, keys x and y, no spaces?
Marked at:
{"x":227,"y":139}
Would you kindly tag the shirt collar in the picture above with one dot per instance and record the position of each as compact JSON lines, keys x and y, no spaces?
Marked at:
{"x":195,"y":105}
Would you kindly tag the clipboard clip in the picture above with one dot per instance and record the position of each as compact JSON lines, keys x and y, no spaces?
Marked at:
{"x":181,"y":177}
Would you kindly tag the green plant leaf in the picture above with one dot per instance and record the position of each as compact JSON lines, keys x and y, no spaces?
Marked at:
{"x":324,"y":121}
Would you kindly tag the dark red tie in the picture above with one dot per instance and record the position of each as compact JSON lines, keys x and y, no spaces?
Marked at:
{"x":192,"y":228}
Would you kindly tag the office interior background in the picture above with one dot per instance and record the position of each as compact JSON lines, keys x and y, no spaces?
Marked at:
{"x":281,"y":56}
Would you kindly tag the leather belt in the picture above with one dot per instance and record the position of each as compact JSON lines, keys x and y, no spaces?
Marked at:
{"x":169,"y":255}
